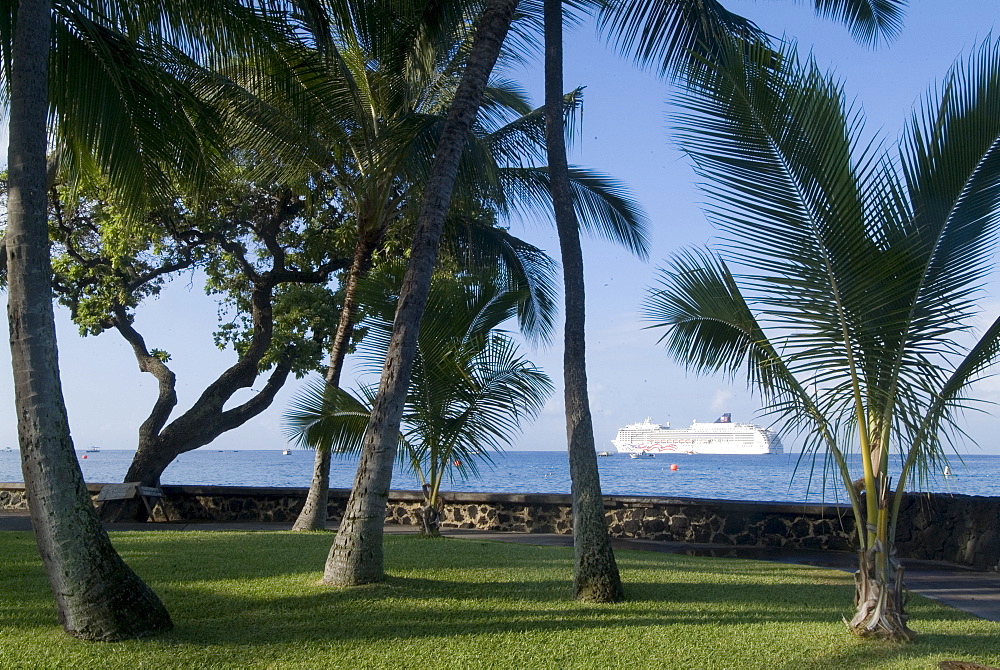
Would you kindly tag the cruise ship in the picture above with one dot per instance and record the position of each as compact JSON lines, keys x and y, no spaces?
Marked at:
{"x":720,"y":437}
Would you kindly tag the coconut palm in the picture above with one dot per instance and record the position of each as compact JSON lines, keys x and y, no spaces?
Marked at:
{"x":380,"y":105}
{"x":356,"y":556}
{"x":847,"y":283}
{"x":106,"y":75}
{"x":662,"y":35}
{"x":469,"y":393}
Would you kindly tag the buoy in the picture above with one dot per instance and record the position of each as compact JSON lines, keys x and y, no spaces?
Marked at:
{"x":673,"y":466}
{"x":458,"y":463}
{"x":85,"y":455}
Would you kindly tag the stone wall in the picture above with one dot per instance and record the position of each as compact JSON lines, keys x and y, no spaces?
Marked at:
{"x":954,"y":528}
{"x":958,"y":529}
{"x":12,"y":496}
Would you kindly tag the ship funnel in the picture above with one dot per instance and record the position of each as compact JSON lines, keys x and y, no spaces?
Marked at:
{"x":725,"y":418}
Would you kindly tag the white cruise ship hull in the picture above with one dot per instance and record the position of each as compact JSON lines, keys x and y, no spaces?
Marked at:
{"x":676,"y":447}
{"x":721,"y":437}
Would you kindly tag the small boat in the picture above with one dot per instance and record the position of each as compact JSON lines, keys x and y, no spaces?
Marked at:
{"x":286,"y":452}
{"x":93,"y":450}
{"x":7,"y":449}
{"x":641,"y":454}
{"x":604,"y":453}
{"x":947,"y":471}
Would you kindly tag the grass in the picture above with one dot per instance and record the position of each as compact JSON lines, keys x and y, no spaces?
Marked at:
{"x":253,"y":600}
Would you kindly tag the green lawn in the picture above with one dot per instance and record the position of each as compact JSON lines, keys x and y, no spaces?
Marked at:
{"x":252,"y":600}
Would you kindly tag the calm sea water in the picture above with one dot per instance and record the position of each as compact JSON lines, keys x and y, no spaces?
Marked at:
{"x":721,"y":477}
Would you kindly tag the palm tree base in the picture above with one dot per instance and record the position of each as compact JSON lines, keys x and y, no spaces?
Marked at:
{"x":315,"y":509}
{"x":598,"y":590}
{"x":430,"y":521}
{"x":132,"y":611}
{"x":307,"y":522}
{"x":356,"y":557}
{"x":880,"y":601}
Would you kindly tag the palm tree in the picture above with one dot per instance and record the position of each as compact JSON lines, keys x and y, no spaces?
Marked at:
{"x":381,"y":98}
{"x":469,"y":392}
{"x":520,"y":186}
{"x":115,"y":96}
{"x":378,"y":100}
{"x":662,"y":34}
{"x":595,"y":571}
{"x":356,"y":556}
{"x":849,"y":276}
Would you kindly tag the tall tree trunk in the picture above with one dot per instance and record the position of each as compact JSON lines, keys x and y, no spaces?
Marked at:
{"x":314,"y":510}
{"x":595,"y":572}
{"x":98,"y":597}
{"x":356,"y":556}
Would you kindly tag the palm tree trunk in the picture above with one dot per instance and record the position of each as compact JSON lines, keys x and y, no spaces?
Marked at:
{"x":879,"y":595}
{"x":97,"y":596}
{"x":879,"y":599}
{"x":356,"y":556}
{"x":595,"y":572}
{"x":314,"y":510}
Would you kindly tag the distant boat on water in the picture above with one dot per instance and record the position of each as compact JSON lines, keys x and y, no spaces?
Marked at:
{"x":286,"y":452}
{"x":93,"y":450}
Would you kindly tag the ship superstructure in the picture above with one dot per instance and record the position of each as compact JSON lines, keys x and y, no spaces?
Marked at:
{"x":720,"y":437}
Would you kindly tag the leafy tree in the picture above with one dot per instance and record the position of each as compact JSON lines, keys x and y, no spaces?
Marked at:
{"x":266,"y":250}
{"x":469,"y":392}
{"x":847,"y":285}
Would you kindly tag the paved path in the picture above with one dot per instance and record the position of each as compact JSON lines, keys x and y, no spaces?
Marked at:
{"x":975,"y":592}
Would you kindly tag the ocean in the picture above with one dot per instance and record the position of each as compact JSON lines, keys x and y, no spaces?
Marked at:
{"x":768,"y":478}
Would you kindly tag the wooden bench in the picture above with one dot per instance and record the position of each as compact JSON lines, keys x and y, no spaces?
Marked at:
{"x":129,"y":490}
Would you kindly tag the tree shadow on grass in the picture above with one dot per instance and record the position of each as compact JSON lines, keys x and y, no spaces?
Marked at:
{"x":926,"y":652}
{"x":412,"y":608}
{"x":260,"y":597}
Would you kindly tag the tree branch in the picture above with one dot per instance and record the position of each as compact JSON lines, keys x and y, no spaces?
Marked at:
{"x":167,"y":397}
{"x":239,"y":415}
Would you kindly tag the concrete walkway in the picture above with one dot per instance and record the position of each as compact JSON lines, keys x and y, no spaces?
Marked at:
{"x":975,"y":592}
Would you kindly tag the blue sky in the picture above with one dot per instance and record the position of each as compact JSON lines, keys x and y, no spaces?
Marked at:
{"x":625,"y":134}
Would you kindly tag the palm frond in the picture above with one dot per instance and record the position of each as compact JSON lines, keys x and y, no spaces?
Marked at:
{"x":321,"y":416}
{"x":870,"y":21}
{"x":708,"y":323}
{"x":664,"y":35}
{"x":710,"y":328}
{"x":519,"y":268}
{"x":603,"y":206}
{"x":782,"y":160}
